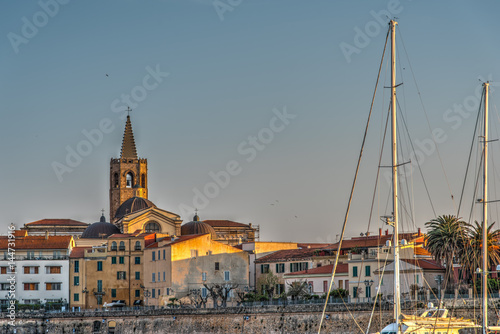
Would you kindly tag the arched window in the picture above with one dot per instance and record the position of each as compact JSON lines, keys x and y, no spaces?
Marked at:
{"x":122,"y":246}
{"x":116,"y":180}
{"x":152,"y":227}
{"x":137,"y":245}
{"x":130,"y":180}
{"x":143,"y":180}
{"x":113,"y":246}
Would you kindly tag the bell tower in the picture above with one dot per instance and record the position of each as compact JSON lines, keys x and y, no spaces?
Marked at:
{"x":128,"y":175}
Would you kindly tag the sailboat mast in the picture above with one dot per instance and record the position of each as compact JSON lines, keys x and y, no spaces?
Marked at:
{"x":485,"y":211}
{"x":397,"y":303}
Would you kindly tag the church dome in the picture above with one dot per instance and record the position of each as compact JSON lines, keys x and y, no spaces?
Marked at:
{"x":101,"y":229}
{"x":198,"y":227}
{"x":132,"y":205}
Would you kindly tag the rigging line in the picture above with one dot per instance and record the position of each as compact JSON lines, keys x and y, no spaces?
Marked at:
{"x":418,"y":164}
{"x":377,"y":294}
{"x":427,"y":119}
{"x":408,"y":212}
{"x":378,"y":169}
{"x":476,"y":186}
{"x":353,"y":184}
{"x":470,"y":155}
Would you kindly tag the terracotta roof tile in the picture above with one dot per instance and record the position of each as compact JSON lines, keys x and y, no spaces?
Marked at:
{"x":293,"y":255}
{"x":425,"y":264}
{"x":342,"y":268}
{"x":39,"y":242}
{"x":56,"y":222}
{"x":372,"y":241}
{"x":224,"y":223}
{"x":78,"y":252}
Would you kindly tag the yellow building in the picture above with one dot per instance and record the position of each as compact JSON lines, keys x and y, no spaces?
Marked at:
{"x":112,"y":271}
{"x":177,"y":267}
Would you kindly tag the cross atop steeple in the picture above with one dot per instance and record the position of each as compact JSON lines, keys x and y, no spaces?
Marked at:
{"x":128,"y":145}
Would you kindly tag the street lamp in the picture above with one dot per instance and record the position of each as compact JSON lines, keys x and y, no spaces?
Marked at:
{"x":146,"y":293}
{"x":85,"y":294}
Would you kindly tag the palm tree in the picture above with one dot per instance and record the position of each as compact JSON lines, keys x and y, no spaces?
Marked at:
{"x":472,"y":255}
{"x":445,"y":240}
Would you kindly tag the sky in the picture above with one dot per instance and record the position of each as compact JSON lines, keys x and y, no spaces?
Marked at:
{"x":248,"y":110}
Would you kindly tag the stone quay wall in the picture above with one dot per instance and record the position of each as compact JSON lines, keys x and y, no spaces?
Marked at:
{"x":261,"y":320}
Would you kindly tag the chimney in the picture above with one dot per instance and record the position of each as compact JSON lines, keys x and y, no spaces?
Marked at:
{"x":419,"y":232}
{"x":387,"y":232}
{"x":47,"y":235}
{"x":380,"y":232}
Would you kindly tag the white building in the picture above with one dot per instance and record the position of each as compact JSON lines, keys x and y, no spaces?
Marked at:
{"x":318,"y":279}
{"x":41,"y":271}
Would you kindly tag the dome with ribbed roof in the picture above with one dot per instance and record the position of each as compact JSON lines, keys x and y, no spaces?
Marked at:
{"x":101,"y":229}
{"x":198,"y":227}
{"x":132,"y":205}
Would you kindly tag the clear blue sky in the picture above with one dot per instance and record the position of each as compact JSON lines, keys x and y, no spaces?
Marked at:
{"x":230,"y":64}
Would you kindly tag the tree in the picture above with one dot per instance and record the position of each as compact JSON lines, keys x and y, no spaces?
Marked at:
{"x":445,"y":239}
{"x":472,"y":255}
{"x":298,"y":289}
{"x":220,"y":291}
{"x":268,"y":282}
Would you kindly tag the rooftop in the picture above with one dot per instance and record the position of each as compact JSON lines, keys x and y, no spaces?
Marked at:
{"x":39,"y":242}
{"x":56,"y":222}
{"x":224,"y":223}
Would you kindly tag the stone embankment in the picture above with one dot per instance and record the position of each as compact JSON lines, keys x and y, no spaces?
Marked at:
{"x":263,"y":320}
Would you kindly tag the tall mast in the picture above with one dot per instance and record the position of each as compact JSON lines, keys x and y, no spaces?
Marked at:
{"x":485,"y":211}
{"x":397,"y":304}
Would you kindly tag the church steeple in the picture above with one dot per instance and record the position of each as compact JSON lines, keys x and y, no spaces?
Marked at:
{"x":128,"y":145}
{"x":128,"y":174}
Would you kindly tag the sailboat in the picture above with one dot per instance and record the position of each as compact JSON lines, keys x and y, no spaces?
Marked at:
{"x":434,"y":319}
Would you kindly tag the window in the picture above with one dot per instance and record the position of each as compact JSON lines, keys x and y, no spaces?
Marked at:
{"x":52,"y":286}
{"x":227,"y":276}
{"x":294,"y":267}
{"x":113,"y":246}
{"x":99,"y":286}
{"x":3,"y":270}
{"x":417,"y":279}
{"x":168,"y":291}
{"x":153,"y":277}
{"x":152,"y":227}
{"x":31,"y":270}
{"x":137,"y":293}
{"x":367,"y":271}
{"x":158,"y":276}
{"x":354,"y":271}
{"x":203,"y":276}
{"x":121,"y":275}
{"x":53,"y":270}
{"x":368,"y":292}
{"x":115,"y":180}
{"x":164,"y":254}
{"x":143,"y":180}
{"x":76,"y":280}
{"x":279,"y":289}
{"x":137,"y":275}
{"x":264,"y":268}
{"x":194,"y":253}
{"x":137,"y":245}
{"x":158,"y":293}
{"x":77,"y":266}
{"x":158,"y":254}
{"x":204,"y":292}
{"x":99,"y":265}
{"x":355,"y":292}
{"x":122,"y":246}
{"x":113,"y":293}
{"x":99,"y":300}
{"x":121,"y":259}
{"x":31,"y":255}
{"x":154,"y":294}
{"x":280,"y":267}
{"x":57,"y":255}
{"x":137,"y":260}
{"x":113,"y":260}
{"x":311,"y":286}
{"x":325,"y":286}
{"x":216,"y":265}
{"x":30,"y":286}
{"x":163,"y":276}
{"x":129,"y":180}
{"x":153,"y":256}
{"x":4,"y":287}
{"x":76,"y":297}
